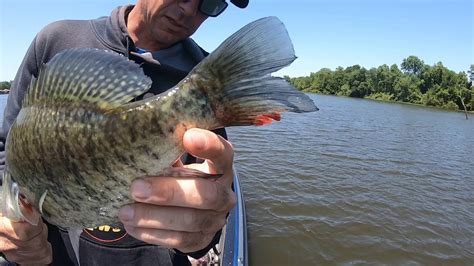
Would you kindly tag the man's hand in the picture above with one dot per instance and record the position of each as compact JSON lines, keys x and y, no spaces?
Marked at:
{"x":24,"y":243}
{"x":184,"y":213}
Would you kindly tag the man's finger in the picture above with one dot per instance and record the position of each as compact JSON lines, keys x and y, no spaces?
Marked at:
{"x":40,"y":255}
{"x":19,"y":231}
{"x":183,"y":241}
{"x":36,"y":250}
{"x":207,"y":145}
{"x":6,"y":245}
{"x":196,"y":193}
{"x":171,"y":218}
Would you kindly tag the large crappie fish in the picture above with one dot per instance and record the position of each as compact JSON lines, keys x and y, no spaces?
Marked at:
{"x":78,"y":142}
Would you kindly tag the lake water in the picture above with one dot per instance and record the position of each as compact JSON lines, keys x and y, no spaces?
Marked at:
{"x":359,"y":182}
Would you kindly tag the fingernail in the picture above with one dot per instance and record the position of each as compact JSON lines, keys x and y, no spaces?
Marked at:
{"x":141,"y":189}
{"x":198,"y":141}
{"x":126,"y":213}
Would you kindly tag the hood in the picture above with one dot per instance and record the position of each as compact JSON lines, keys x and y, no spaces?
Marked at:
{"x":112,"y":30}
{"x":113,"y":33}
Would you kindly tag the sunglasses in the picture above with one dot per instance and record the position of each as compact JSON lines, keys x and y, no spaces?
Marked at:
{"x":212,"y":8}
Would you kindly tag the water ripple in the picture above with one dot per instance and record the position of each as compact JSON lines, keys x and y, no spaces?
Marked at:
{"x":359,"y":182}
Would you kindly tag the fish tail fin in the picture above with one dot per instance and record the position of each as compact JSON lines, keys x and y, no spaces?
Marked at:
{"x":13,"y":204}
{"x":245,"y":93}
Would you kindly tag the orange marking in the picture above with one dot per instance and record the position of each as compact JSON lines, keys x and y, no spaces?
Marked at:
{"x":267,"y":119}
{"x":24,"y":202}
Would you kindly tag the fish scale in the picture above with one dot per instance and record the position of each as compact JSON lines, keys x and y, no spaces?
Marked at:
{"x":78,"y":142}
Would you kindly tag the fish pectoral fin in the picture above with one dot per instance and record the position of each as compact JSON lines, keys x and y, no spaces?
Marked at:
{"x":14,"y":205}
{"x":187,"y":173}
{"x":28,"y":212}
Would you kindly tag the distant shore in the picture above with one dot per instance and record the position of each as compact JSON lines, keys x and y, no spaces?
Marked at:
{"x":396,"y":102}
{"x":414,"y":104}
{"x":4,"y":91}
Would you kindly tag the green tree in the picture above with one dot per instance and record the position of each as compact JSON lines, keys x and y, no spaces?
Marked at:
{"x":323,"y":81}
{"x":412,"y":65}
{"x":5,"y":85}
{"x":415,"y":82}
{"x":356,"y":76}
{"x":302,"y":83}
{"x":382,"y":80}
{"x":406,"y":90}
{"x":471,"y":74}
{"x":340,"y":78}
{"x":345,"y":90}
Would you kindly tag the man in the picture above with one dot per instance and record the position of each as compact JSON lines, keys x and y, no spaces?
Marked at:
{"x":172,"y":217}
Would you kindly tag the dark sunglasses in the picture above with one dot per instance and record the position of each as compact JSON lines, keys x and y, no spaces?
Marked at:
{"x":212,"y":8}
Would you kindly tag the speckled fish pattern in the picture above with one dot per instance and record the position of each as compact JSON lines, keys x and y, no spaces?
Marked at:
{"x":78,"y":142}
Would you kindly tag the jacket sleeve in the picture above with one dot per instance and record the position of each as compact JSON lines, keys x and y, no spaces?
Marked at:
{"x":28,"y":68}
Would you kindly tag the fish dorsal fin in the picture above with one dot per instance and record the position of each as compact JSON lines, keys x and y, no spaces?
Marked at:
{"x":98,"y":77}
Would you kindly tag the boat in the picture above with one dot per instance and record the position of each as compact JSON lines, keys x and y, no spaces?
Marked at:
{"x":232,"y":247}
{"x":235,"y":232}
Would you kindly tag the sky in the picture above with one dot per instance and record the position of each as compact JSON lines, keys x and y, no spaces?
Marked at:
{"x":325,"y":33}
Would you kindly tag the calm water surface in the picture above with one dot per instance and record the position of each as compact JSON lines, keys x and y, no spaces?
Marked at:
{"x":359,"y":182}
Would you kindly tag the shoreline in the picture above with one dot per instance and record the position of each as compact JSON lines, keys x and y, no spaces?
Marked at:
{"x":397,"y":102}
{"x":417,"y":104}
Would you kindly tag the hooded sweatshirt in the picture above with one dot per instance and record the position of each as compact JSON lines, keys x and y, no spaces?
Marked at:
{"x":104,"y":245}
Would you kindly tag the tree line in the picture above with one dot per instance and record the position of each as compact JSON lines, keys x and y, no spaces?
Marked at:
{"x":415,"y":82}
{"x":5,"y":85}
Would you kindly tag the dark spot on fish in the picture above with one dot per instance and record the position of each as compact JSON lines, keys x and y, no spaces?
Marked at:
{"x":96,"y":164}
{"x":155,"y":155}
{"x":66,"y":209}
{"x":47,"y":170}
{"x":133,"y":136}
{"x":90,"y":147}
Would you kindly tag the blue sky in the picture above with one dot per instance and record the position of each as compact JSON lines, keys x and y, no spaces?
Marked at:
{"x":325,"y":33}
